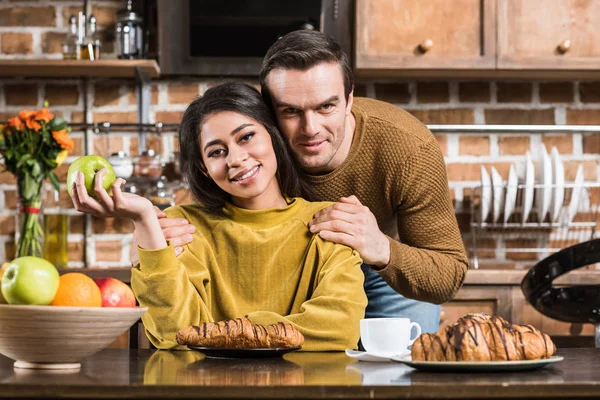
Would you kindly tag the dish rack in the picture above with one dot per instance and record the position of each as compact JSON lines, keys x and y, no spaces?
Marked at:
{"x":497,"y":239}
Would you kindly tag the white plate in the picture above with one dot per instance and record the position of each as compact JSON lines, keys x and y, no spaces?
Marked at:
{"x":498,"y":191}
{"x":577,"y":184}
{"x":479,"y":366}
{"x":511,"y":193}
{"x":486,"y":194}
{"x":370,"y":357}
{"x":529,"y":182}
{"x":543,"y":196}
{"x":558,"y":180}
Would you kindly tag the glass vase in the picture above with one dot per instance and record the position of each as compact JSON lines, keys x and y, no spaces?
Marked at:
{"x":29,"y":235}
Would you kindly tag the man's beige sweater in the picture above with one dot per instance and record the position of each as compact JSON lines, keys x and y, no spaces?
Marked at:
{"x":395,"y":168}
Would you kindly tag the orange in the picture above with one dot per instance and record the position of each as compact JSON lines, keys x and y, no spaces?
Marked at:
{"x":77,"y":290}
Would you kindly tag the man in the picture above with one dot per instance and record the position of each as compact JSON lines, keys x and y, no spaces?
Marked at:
{"x":382,"y":166}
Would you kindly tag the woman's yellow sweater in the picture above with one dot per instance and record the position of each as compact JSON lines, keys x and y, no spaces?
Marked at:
{"x":263,"y":264}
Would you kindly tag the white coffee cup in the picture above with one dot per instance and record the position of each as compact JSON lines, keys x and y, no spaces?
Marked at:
{"x":387,"y":336}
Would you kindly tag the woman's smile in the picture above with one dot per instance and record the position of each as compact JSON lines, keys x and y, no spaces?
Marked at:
{"x":246,"y":177}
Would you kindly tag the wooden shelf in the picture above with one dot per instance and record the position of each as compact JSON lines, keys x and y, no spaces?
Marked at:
{"x":77,"y":68}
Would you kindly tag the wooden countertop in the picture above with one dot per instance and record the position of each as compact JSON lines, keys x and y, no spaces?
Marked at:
{"x":122,"y":373}
{"x":474,"y":276}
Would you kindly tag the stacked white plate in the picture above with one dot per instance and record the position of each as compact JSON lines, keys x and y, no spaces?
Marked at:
{"x":499,"y":197}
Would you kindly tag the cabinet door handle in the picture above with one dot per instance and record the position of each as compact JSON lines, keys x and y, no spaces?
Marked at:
{"x":425,"y":45}
{"x":564,"y":46}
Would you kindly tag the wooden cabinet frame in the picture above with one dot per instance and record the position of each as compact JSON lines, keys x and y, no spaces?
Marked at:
{"x":391,"y":61}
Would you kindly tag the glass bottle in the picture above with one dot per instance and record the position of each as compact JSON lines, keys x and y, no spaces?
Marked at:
{"x":55,"y":233}
{"x":82,"y":42}
{"x":161,"y":195}
{"x":70,"y":48}
{"x":93,"y":39}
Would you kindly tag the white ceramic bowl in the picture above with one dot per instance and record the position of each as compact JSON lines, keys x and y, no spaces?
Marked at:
{"x":59,"y":337}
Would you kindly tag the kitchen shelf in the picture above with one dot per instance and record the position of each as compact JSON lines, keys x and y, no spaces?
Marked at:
{"x":78,"y":68}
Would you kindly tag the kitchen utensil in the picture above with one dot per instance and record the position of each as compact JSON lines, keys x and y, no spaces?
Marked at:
{"x":498,"y":194}
{"x":528,"y":188}
{"x":486,"y":194}
{"x":543,"y":196}
{"x":511,"y":193}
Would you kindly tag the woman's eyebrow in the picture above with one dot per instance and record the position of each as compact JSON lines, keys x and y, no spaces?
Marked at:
{"x":233,"y":132}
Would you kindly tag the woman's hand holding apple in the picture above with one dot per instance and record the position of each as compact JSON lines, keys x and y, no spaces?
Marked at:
{"x":120,"y":205}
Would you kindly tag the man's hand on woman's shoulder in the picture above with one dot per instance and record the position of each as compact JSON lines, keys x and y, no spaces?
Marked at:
{"x":350,"y":223}
{"x":177,"y":230}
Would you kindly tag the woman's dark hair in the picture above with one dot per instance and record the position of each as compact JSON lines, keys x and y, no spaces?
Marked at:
{"x":302,"y":50}
{"x":244,"y":99}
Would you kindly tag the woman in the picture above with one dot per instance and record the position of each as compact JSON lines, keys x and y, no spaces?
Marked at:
{"x":252,"y":253}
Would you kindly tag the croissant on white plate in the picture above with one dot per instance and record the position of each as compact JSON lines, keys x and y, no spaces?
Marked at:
{"x":483,"y":337}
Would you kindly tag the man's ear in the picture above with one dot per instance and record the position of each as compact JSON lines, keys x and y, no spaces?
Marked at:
{"x":350,"y":102}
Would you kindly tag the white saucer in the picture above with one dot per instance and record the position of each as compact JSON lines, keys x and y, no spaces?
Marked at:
{"x":370,"y":357}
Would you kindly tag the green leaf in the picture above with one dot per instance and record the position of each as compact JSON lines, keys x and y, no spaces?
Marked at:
{"x":57,"y":124}
{"x":23,"y":160}
{"x":29,"y":190}
{"x":36,"y":170}
{"x":54,"y":180}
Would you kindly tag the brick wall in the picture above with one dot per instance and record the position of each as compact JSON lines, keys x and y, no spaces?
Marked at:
{"x":34,"y":29}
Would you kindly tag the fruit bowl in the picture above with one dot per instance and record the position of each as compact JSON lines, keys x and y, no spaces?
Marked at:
{"x":56,"y":337}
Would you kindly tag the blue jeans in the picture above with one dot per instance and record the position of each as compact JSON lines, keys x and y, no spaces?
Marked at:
{"x":384,"y":302}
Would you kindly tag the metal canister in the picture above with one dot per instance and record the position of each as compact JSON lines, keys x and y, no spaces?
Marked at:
{"x":129,"y":33}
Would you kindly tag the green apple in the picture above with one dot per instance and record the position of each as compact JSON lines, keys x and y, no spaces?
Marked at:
{"x":30,"y":280}
{"x":2,"y":270}
{"x":89,"y":165}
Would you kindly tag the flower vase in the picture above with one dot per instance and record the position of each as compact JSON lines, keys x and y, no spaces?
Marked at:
{"x":30,"y":235}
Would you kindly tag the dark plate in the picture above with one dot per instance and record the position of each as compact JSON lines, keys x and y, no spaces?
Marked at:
{"x":215,"y":352}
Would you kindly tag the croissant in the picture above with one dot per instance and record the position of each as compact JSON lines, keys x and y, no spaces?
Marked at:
{"x":481,"y":337}
{"x":240,"y":333}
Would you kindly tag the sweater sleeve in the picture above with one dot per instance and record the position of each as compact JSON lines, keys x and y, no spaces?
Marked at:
{"x":430,"y":263}
{"x":162,"y":283}
{"x":329,"y":320}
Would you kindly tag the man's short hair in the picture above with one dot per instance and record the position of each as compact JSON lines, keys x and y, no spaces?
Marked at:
{"x":302,"y":50}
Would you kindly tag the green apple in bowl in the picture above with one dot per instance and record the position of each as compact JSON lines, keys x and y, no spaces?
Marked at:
{"x":30,"y":280}
{"x":2,"y":271}
{"x":89,"y":165}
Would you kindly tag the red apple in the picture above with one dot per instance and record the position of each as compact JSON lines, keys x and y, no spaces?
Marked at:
{"x":115,"y":293}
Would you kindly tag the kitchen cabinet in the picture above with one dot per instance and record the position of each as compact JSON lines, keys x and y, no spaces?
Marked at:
{"x":497,"y":39}
{"x":424,"y":34}
{"x":542,"y":34}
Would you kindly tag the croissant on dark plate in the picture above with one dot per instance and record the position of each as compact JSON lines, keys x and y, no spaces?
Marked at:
{"x":482,"y":337}
{"x":240,"y":333}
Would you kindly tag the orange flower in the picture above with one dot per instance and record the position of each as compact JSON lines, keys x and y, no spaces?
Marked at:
{"x":62,"y":138}
{"x":26,"y":114}
{"x":16,"y":123}
{"x":44,"y":115}
{"x":33,"y":125}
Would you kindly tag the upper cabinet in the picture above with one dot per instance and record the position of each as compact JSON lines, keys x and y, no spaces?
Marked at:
{"x":478,"y":38}
{"x":424,"y":34}
{"x":542,"y":34}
